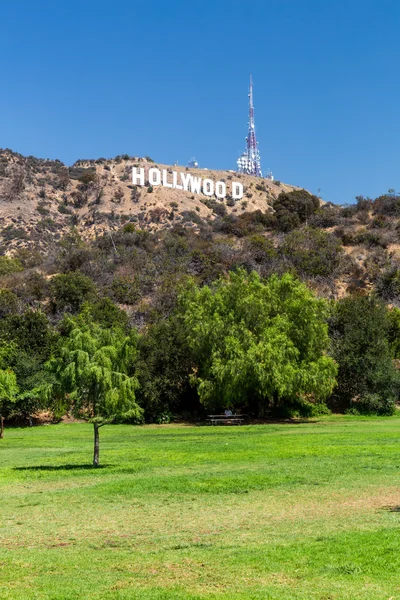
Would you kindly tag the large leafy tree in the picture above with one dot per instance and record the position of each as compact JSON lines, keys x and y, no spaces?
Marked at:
{"x":94,"y":371}
{"x":163,"y":369}
{"x":27,"y":342}
{"x":8,"y":390}
{"x":360,"y":333}
{"x":258,"y":343}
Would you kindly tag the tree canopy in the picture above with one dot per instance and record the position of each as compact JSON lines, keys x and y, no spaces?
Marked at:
{"x":258,"y":343}
{"x":95,"y":372}
{"x":360,"y":332}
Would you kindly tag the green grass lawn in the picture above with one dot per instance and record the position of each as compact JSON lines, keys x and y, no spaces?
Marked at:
{"x":285,"y":511}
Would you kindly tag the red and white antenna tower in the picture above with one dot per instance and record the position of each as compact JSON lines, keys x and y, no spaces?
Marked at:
{"x":249,"y":162}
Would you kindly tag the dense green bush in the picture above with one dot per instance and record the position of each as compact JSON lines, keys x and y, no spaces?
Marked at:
{"x":294,"y":208}
{"x":9,"y":265}
{"x":312,"y":252}
{"x":372,"y":404}
{"x":68,"y":291}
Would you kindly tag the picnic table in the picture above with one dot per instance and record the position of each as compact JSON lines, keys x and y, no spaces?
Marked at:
{"x":225,"y":419}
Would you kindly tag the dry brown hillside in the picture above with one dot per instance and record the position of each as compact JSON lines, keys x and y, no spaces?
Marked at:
{"x":41,"y":199}
{"x":336,"y":249}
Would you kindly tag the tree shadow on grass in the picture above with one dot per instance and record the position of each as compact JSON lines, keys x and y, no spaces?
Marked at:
{"x":63,"y":468}
{"x":393,"y":509}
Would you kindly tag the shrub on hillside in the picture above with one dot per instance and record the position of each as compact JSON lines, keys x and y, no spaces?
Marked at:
{"x":9,"y":266}
{"x":312,"y":252}
{"x":326,"y":216}
{"x":388,"y":284}
{"x":294,"y":208}
{"x":387,"y":204}
{"x":8,"y":303}
{"x":125,"y":290}
{"x":68,"y":291}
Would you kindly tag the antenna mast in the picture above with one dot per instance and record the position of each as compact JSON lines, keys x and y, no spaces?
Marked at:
{"x":249,"y":162}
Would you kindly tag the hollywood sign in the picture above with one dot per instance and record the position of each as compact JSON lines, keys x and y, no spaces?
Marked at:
{"x":187,"y":182}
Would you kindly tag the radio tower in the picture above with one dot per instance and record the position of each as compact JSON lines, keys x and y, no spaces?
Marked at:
{"x":249,"y":161}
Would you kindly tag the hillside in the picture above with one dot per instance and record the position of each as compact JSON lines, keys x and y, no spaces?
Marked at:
{"x":85,"y":242}
{"x":41,"y":199}
{"x":161,"y":234}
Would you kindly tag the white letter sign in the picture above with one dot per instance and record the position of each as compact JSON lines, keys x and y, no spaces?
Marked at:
{"x":188,"y":183}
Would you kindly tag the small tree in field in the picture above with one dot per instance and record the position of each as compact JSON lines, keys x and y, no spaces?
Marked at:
{"x":8,"y":390}
{"x":94,"y":372}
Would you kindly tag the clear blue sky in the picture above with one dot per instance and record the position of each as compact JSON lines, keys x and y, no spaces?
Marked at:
{"x":85,"y":79}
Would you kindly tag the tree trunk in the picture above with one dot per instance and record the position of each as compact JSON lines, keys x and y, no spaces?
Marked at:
{"x":1,"y":427}
{"x":96,"y":461}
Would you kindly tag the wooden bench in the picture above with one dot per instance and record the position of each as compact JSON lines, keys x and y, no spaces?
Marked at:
{"x":225,"y":419}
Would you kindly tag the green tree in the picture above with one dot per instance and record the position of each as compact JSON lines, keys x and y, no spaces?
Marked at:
{"x":94,"y":371}
{"x":294,"y":208}
{"x":163,"y":368}
{"x":359,"y":330}
{"x":8,"y":302}
{"x":105,"y":313}
{"x":31,"y":332}
{"x":394,"y":332}
{"x":27,"y":342}
{"x":258,"y":343}
{"x":68,"y":291}
{"x":8,"y":390}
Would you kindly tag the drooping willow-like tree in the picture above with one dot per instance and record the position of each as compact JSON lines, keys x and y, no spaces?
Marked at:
{"x":95,"y":373}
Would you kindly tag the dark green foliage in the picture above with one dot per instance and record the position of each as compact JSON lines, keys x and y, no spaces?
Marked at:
{"x":9,"y":265}
{"x":246,"y":223}
{"x":32,"y":289}
{"x":8,"y":303}
{"x":294,"y":208}
{"x":129,"y":228}
{"x":125,"y":290}
{"x":260,"y":247}
{"x":393,"y":318}
{"x":359,"y":330}
{"x":87,"y":177}
{"x":363,"y":204}
{"x":370,"y":239}
{"x":326,"y":216}
{"x":31,"y":332}
{"x":68,"y":291}
{"x":105,"y":313}
{"x":312,"y":252}
{"x":372,"y":404}
{"x":163,"y":368}
{"x":30,"y":341}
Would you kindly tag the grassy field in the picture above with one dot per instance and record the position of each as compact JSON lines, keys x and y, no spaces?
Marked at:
{"x":308,"y":511}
